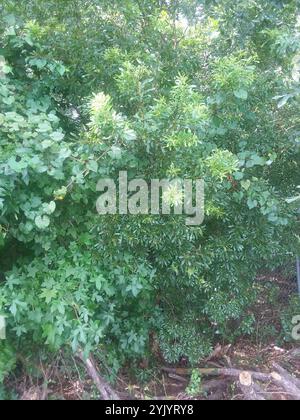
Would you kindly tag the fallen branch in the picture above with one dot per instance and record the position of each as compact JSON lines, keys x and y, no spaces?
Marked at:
{"x":288,"y":386}
{"x":177,"y":378}
{"x":233,"y":373}
{"x":286,"y":375}
{"x":218,"y":353}
{"x":103,"y":387}
{"x":294,"y":354}
{"x":251,"y":390}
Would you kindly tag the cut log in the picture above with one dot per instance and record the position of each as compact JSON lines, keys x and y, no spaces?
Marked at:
{"x":247,"y":387}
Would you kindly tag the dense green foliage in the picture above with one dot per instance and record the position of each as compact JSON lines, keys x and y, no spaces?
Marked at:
{"x":160,"y":89}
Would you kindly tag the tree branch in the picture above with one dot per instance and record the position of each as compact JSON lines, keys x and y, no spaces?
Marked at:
{"x":103,"y":387}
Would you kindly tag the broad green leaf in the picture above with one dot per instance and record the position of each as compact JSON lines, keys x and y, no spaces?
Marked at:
{"x":42,"y":222}
{"x":115,"y":153}
{"x":283,"y":101}
{"x":93,"y":166}
{"x":17,"y":166}
{"x":57,"y":136}
{"x":246,"y":184}
{"x":252,"y":203}
{"x":49,"y":208}
{"x":241,"y":94}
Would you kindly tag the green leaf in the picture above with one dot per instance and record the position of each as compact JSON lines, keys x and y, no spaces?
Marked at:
{"x":246,"y":184}
{"x":10,"y":19}
{"x":61,"y":69}
{"x":60,"y":193}
{"x":129,"y":135}
{"x":238,"y":176}
{"x":292,"y":200}
{"x":38,"y":62}
{"x":241,"y":94}
{"x":57,"y":136}
{"x":48,"y":294}
{"x":10,"y":31}
{"x":46,"y":144}
{"x":9,"y":100}
{"x":49,"y":208}
{"x":284,"y":100}
{"x":13,"y":309}
{"x":100,"y":281}
{"x":17,"y":166}
{"x":115,"y":152}
{"x":256,"y":160}
{"x":42,"y":222}
{"x":252,"y":203}
{"x":44,"y":127}
{"x":4,"y":67}
{"x":93,"y":166}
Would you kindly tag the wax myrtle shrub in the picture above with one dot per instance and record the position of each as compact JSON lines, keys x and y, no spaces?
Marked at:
{"x":159,"y":99}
